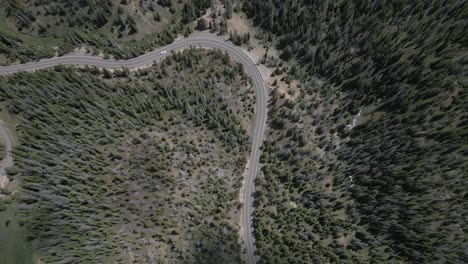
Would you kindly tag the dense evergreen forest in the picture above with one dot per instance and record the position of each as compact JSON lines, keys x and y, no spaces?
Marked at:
{"x":142,"y":167}
{"x":368,"y":163}
{"x":122,"y":28}
{"x":365,"y":161}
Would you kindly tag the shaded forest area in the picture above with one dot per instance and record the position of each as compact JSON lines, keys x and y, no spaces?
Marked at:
{"x":369,"y":162}
{"x":120,"y":166}
{"x":122,"y":28}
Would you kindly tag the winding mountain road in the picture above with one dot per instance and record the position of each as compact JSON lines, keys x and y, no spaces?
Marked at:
{"x":203,"y":40}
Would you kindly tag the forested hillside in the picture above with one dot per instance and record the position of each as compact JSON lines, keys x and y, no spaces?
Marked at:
{"x":123,"y":28}
{"x":140,"y":167}
{"x":368,"y":163}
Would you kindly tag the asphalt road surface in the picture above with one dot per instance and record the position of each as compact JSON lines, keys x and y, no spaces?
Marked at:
{"x":203,"y":40}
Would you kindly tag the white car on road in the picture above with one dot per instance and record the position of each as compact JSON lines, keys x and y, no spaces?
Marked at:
{"x":163,"y":52}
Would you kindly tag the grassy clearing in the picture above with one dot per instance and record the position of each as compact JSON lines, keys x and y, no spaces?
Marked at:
{"x":7,"y":28}
{"x":13,"y":245}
